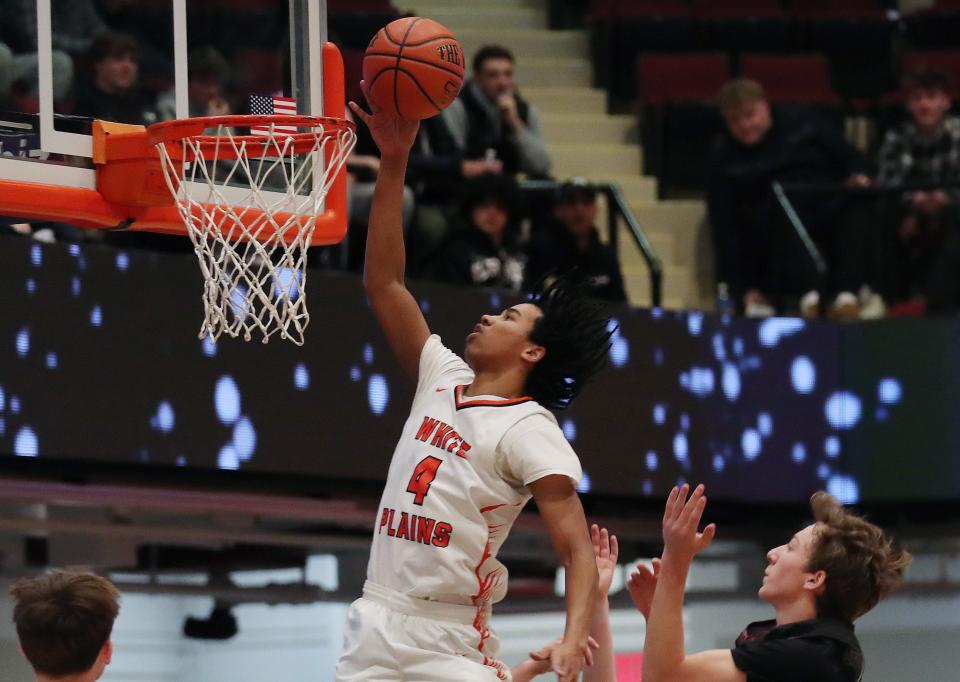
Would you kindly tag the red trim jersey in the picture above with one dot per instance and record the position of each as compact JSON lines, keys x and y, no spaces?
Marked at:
{"x":457,"y":482}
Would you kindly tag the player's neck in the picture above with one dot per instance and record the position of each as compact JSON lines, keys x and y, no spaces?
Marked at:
{"x":795,"y":612}
{"x":503,"y":384}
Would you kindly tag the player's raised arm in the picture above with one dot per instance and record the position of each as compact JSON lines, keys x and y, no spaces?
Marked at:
{"x":383,"y":273}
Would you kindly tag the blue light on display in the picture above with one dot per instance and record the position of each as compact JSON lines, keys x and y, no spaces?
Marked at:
{"x":227,"y":459}
{"x":166,"y":419}
{"x":23,"y":342}
{"x":889,"y":391}
{"x":680,"y":447}
{"x":209,"y":346}
{"x":569,"y":430}
{"x":226,"y":400}
{"x":3,"y":399}
{"x":647,"y":488}
{"x":495,"y":301}
{"x":355,"y":373}
{"x":685,"y":422}
{"x":368,"y":353}
{"x":378,"y":394}
{"x":881,"y":414}
{"x":765,"y":424}
{"x":239,"y":305}
{"x":75,"y":286}
{"x":823,"y":471}
{"x":244,"y":439}
{"x":803,"y":375}
{"x":731,"y":382}
{"x":685,"y":379}
{"x":424,"y":306}
{"x":3,"y":426}
{"x":52,"y":360}
{"x":619,"y":351}
{"x":96,"y":316}
{"x":656,"y":313}
{"x":695,"y":323}
{"x":718,"y":463}
{"x":286,"y":283}
{"x":659,"y":413}
{"x":658,"y":357}
{"x":181,"y":461}
{"x":799,"y":453}
{"x":651,"y":461}
{"x":36,"y":255}
{"x":702,"y":381}
{"x":773,"y":329}
{"x":738,"y":347}
{"x":15,"y":404}
{"x":719,"y":352}
{"x":31,"y":285}
{"x":123,"y":261}
{"x":585,"y":484}
{"x":831,"y":447}
{"x":301,"y":377}
{"x":25,"y":443}
{"x":844,"y":488}
{"x":750,"y":444}
{"x":843,"y":410}
{"x":74,"y":249}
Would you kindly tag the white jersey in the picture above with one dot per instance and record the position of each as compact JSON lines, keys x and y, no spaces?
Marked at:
{"x":457,"y":482}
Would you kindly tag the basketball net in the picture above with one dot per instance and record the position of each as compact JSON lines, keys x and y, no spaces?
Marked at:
{"x":250,"y":208}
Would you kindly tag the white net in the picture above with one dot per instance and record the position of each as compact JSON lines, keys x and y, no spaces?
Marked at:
{"x":251,"y":206}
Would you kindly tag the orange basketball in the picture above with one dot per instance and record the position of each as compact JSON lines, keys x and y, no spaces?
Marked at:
{"x":413,"y":67}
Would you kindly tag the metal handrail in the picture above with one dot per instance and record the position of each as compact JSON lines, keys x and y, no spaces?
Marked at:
{"x":819,"y":262}
{"x":618,"y":208}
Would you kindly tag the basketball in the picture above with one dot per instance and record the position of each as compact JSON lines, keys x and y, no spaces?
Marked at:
{"x":413,"y":67}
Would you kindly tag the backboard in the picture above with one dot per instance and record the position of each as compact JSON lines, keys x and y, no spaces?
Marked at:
{"x":191,"y":58}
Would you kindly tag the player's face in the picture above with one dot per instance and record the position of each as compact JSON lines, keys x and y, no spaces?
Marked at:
{"x":787,"y":578}
{"x":928,"y":107}
{"x":500,"y":341}
{"x":495,"y":77}
{"x":750,"y":122}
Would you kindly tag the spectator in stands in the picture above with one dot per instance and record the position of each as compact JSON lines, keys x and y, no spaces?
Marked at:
{"x":64,"y":621}
{"x":208,"y":76}
{"x":925,"y":151}
{"x":486,"y":251}
{"x":571,"y":241}
{"x":491,"y":120}
{"x":760,"y":146}
{"x":113,"y":93}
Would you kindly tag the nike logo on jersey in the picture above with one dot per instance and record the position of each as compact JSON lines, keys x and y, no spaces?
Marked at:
{"x":444,"y":437}
{"x":440,"y":390}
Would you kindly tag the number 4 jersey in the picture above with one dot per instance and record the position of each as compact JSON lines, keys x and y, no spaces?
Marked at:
{"x":457,"y":482}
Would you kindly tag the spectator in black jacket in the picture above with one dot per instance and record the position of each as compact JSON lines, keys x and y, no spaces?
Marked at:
{"x":571,"y":242}
{"x":486,"y":251}
{"x":759,"y":147}
{"x":114,"y":91}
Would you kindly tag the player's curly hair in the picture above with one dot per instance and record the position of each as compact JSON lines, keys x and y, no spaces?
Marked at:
{"x":863,"y":565}
{"x":575,"y":333}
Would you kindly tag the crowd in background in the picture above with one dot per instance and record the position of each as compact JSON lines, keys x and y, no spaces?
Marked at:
{"x":887,"y":251}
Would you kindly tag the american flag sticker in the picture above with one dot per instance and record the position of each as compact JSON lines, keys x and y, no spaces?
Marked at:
{"x":272,"y":105}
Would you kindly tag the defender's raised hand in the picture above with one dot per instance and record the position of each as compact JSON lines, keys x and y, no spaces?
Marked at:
{"x":681,"y":520}
{"x":392,"y":134}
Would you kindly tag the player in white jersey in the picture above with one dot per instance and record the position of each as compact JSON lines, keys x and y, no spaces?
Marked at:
{"x":478,"y":444}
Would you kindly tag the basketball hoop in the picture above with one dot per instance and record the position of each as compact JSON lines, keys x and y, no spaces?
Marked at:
{"x":250,"y":204}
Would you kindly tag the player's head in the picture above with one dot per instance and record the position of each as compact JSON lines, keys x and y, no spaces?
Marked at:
{"x":841,"y":564}
{"x":745,"y":110}
{"x":64,"y":620}
{"x":493,"y":70}
{"x":928,"y":97}
{"x":557,"y":341}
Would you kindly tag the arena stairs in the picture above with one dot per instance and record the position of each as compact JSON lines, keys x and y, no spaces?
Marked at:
{"x":554,"y":72}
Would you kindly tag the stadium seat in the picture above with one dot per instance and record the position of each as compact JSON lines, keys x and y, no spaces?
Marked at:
{"x":744,"y":25}
{"x":947,"y":61}
{"x":792,"y":78}
{"x":671,"y":78}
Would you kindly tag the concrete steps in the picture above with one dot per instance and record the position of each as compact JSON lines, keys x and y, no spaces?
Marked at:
{"x":483,"y":16}
{"x":579,"y":158}
{"x":560,"y":72}
{"x":525,"y":44}
{"x":585,"y":128}
{"x":568,"y":100}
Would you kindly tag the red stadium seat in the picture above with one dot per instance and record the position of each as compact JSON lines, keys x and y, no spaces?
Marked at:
{"x":737,"y":8}
{"x":833,"y":9}
{"x":618,"y":8}
{"x":792,"y":78}
{"x":669,"y":78}
{"x":947,"y":61}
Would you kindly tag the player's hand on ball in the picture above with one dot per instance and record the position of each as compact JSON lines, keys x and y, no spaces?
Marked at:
{"x":681,"y":519}
{"x":641,"y":585}
{"x":606,"y":550}
{"x":392,"y":134}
